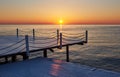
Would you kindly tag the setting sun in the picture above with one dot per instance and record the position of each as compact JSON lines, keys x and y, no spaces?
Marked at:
{"x":61,"y":21}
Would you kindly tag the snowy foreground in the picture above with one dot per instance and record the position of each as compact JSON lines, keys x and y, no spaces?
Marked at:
{"x":43,"y":67}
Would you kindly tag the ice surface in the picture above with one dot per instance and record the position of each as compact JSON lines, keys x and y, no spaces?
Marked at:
{"x":43,"y":67}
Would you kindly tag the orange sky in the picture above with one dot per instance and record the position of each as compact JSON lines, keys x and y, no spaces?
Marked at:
{"x":50,"y":11}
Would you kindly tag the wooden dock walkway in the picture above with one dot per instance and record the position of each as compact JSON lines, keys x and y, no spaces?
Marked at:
{"x":35,"y":44}
{"x":44,"y":67}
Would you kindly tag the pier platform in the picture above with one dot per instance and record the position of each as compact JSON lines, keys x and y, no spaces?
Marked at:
{"x":44,"y":67}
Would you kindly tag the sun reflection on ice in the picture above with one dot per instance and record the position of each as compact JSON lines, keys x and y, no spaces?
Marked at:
{"x":61,"y":24}
{"x":56,"y":68}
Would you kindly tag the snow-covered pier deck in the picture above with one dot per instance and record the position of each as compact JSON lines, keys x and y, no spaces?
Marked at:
{"x":44,"y":67}
{"x":24,"y":46}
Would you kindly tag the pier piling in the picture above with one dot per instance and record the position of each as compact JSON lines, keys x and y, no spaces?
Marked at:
{"x":58,"y":36}
{"x":60,"y":40}
{"x":6,"y":59}
{"x":67,"y":53}
{"x":33,"y":34}
{"x":45,"y":53}
{"x":17,"y":32}
{"x":14,"y":58}
{"x":86,"y":39}
{"x":27,"y":45}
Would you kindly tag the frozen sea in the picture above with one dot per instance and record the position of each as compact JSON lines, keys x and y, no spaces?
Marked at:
{"x":101,"y":51}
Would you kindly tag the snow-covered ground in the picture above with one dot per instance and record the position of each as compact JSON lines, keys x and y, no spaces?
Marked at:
{"x":43,"y":67}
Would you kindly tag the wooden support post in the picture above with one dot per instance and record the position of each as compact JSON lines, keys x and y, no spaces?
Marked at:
{"x":14,"y":58}
{"x":33,"y":34}
{"x":17,"y":32}
{"x":60,"y":40}
{"x":57,"y":36}
{"x":6,"y":59}
{"x":25,"y":56}
{"x":67,"y":53}
{"x":27,"y":45}
{"x":45,"y":53}
{"x":86,"y":39}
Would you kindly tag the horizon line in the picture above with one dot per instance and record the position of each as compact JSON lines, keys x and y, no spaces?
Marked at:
{"x":58,"y":24}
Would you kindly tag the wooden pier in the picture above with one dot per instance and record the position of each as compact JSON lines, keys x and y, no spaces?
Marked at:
{"x":59,"y":44}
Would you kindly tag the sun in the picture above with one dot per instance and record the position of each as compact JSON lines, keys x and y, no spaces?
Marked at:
{"x":60,"y":21}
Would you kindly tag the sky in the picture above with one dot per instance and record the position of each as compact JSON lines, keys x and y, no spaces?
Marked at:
{"x":51,"y":11}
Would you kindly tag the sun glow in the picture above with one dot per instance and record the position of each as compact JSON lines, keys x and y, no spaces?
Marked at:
{"x":60,"y":21}
{"x":61,"y":24}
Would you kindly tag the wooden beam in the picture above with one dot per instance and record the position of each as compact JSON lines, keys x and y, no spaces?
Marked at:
{"x":51,"y":50}
{"x":80,"y":44}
